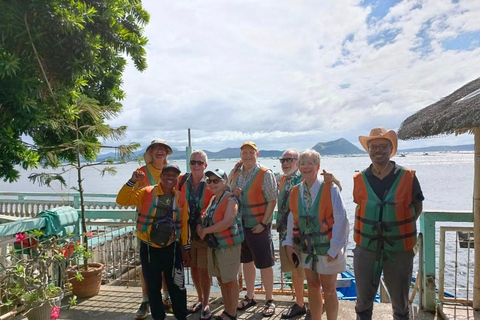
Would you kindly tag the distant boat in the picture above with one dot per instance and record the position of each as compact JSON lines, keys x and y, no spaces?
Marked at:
{"x":425,"y":153}
{"x":402,"y":155}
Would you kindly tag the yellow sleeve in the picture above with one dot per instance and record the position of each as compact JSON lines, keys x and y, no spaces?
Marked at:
{"x":128,"y":196}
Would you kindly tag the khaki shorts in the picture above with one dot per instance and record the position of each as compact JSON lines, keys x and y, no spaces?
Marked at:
{"x":224,"y":263}
{"x":198,"y":254}
{"x":287,"y":266}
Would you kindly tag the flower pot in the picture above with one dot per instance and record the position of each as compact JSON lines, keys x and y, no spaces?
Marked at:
{"x":92,"y":280}
{"x":39,"y":311}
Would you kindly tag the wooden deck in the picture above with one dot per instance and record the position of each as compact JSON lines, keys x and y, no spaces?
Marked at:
{"x":121,"y":303}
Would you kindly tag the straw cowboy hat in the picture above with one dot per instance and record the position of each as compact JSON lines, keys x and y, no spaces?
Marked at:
{"x":148,"y":157}
{"x":380,"y":133}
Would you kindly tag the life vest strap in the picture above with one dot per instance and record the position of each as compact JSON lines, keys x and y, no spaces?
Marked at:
{"x":254,"y":205}
{"x":387,"y":223}
{"x":384,"y":203}
{"x":385,"y":238}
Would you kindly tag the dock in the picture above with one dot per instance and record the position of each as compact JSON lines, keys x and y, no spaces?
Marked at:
{"x":121,"y":303}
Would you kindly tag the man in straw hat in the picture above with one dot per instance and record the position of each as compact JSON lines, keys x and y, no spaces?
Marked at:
{"x":155,"y":159}
{"x":389,"y":201}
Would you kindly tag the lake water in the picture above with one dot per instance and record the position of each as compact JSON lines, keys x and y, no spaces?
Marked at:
{"x":446,"y":180}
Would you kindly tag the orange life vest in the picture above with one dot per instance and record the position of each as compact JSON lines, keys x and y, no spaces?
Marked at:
{"x":146,"y":216}
{"x":390,"y":221}
{"x":231,"y":236}
{"x":252,"y":202}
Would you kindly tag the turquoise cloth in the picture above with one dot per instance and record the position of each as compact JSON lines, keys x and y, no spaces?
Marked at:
{"x":60,"y":220}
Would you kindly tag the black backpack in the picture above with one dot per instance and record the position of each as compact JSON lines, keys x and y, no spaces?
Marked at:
{"x":163,"y":229}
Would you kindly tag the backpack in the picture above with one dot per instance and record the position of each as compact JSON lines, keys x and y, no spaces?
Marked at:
{"x":163,"y":229}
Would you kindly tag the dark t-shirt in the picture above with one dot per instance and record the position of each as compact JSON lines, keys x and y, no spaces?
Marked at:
{"x":382,"y":186}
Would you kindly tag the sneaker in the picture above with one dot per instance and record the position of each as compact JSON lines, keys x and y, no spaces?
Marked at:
{"x":167,"y":306}
{"x":143,"y":311}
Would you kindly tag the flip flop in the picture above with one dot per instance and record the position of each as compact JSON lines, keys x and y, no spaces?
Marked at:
{"x":246,"y":303}
{"x":197,"y":306}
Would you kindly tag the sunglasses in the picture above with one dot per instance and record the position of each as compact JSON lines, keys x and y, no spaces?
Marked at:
{"x":215,"y":181}
{"x":289,"y":160}
{"x":196,"y":162}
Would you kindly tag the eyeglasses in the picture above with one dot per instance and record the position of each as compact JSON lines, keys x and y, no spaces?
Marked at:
{"x":381,"y":147}
{"x":215,"y":181}
{"x":289,"y":160}
{"x":196,"y":162}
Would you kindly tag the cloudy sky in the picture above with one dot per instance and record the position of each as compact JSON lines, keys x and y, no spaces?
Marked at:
{"x":293,"y":73}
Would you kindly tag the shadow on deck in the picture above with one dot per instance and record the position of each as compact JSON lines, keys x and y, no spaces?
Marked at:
{"x":121,"y":303}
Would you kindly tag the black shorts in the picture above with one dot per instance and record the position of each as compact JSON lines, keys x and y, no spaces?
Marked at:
{"x":258,"y":247}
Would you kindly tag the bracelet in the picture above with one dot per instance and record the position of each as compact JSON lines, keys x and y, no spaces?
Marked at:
{"x":264,"y":225}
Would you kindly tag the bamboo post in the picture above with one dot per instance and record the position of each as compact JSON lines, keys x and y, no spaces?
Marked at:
{"x":476,"y":221}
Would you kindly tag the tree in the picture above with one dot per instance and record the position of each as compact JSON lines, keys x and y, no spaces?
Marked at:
{"x":82,"y":144}
{"x":53,"y":55}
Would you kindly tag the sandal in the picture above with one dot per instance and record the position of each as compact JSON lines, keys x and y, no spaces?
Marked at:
{"x":269,"y":309}
{"x":293,"y":311}
{"x":206,"y":314}
{"x":246,"y":303}
{"x":226,"y":316}
{"x":197,"y":306}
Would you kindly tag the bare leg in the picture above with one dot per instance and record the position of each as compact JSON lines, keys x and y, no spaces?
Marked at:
{"x":197,"y":282}
{"x":298,"y":287}
{"x":231,"y":288}
{"x":249,"y":271}
{"x":314,"y":294}
{"x":205,"y":284}
{"x":267,"y":279}
{"x":329,"y":285}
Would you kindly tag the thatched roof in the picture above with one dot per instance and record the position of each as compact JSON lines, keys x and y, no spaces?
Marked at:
{"x":457,"y":113}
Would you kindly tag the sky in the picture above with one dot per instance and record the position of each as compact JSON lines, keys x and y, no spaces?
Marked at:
{"x":293,"y":73}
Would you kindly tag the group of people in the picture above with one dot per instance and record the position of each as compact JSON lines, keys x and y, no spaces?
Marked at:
{"x":214,"y":223}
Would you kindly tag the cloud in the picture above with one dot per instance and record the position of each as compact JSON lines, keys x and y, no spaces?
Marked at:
{"x":291,"y":73}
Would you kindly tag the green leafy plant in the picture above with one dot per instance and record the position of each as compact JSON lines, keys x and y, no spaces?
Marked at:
{"x":80,"y":132}
{"x":27,"y":271}
{"x":51,"y":53}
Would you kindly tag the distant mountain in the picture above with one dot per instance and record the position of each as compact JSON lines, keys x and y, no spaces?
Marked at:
{"x":464,"y":147}
{"x":336,"y":147}
{"x":340,"y":146}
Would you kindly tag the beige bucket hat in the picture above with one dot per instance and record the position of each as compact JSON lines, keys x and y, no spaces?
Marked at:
{"x":148,"y":158}
{"x":380,"y":133}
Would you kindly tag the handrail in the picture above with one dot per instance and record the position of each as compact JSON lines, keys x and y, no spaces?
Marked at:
{"x":428,"y":220}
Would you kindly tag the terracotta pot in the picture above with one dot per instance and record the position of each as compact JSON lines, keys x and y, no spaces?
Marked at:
{"x":92,"y":280}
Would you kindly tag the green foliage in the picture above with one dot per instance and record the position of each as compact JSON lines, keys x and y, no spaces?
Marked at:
{"x":54,"y":54}
{"x":27,"y":273}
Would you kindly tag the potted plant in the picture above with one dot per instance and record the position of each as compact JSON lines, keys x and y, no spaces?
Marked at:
{"x":27,"y":278}
{"x":77,"y":143}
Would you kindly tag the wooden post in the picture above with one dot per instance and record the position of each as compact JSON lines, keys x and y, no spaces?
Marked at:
{"x":476,"y":221}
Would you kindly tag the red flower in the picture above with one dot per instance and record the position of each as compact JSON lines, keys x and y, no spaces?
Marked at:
{"x":20,"y":236}
{"x":89,"y":234}
{"x":55,"y":313}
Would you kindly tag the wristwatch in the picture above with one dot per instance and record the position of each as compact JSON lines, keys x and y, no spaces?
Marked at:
{"x":264,"y":225}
